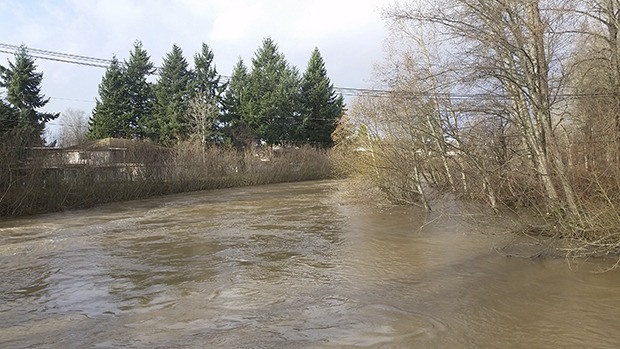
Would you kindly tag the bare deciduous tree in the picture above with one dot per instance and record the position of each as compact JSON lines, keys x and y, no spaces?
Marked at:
{"x":203,"y":116}
{"x":510,"y":45}
{"x":73,"y":128}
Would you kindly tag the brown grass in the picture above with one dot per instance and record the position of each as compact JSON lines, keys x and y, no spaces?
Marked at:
{"x":27,"y":187}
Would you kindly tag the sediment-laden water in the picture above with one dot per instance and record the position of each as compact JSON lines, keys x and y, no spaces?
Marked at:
{"x":288,"y":266}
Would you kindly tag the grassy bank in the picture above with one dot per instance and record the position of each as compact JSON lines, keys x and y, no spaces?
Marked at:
{"x":29,"y":186}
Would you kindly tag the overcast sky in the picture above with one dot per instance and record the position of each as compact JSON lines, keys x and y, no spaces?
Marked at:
{"x":349,"y":34}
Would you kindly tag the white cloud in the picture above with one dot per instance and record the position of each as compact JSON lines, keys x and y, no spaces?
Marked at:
{"x":349,"y":33}
{"x":234,"y":21}
{"x":342,"y":19}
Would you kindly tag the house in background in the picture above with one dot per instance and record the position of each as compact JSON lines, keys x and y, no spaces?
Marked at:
{"x":114,"y":152}
{"x":109,"y":159}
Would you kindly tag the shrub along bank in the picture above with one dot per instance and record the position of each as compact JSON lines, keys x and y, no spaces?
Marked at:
{"x":30,"y":185}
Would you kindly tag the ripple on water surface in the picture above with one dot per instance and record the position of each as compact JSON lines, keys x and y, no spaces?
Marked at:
{"x":290,"y":265}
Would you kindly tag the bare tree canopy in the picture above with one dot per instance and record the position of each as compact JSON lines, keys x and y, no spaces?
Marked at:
{"x":515,"y":103}
{"x":73,"y":128}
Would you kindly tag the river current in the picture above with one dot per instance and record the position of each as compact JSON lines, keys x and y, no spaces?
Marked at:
{"x":289,"y":266}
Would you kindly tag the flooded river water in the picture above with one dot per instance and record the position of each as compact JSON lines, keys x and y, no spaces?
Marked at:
{"x":287,"y":266}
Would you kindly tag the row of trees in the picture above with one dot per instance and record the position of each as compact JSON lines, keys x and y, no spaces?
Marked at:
{"x":269,"y":103}
{"x":511,"y":102}
{"x":33,"y":180}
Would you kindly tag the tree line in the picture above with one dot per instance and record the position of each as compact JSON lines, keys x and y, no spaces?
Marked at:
{"x":185,"y":108}
{"x":271,"y":102}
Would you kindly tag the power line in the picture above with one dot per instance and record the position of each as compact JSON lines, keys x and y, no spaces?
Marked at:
{"x":345,"y":91}
{"x":64,"y":58}
{"x":104,"y":63}
{"x":72,"y":99}
{"x":57,"y":54}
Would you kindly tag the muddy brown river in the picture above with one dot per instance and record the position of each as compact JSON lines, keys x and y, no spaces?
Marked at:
{"x":289,"y":266}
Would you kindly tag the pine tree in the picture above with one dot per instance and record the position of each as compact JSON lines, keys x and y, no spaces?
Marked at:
{"x":206,"y":80}
{"x":272,"y":95}
{"x":235,"y":107}
{"x":109,"y":117}
{"x":139,"y":91}
{"x":288,"y":107}
{"x":207,"y":109}
{"x":322,"y":107}
{"x":172,"y":92}
{"x":236,"y":94}
{"x":23,"y":94}
{"x":8,"y":119}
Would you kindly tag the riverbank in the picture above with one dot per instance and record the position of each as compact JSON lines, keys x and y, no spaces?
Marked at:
{"x":39,"y":189}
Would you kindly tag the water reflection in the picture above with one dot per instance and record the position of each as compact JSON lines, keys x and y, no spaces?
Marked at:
{"x":291,"y":265}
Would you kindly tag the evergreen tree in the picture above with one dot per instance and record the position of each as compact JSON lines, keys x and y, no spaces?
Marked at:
{"x":235,"y":107}
{"x":322,"y":107}
{"x":207,"y":111}
{"x":273,"y":88}
{"x":172,"y":91}
{"x":23,"y":94}
{"x":139,"y":91}
{"x":288,"y":125}
{"x":236,"y":94}
{"x":8,"y":119}
{"x":206,"y":80}
{"x":110,"y":116}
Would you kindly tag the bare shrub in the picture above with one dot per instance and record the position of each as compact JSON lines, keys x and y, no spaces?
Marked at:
{"x":27,"y":186}
{"x":72,"y":129}
{"x":510,"y":103}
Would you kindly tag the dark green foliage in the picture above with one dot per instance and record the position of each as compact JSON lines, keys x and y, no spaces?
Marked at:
{"x":109,"y":117}
{"x":206,"y":80}
{"x":322,"y":108}
{"x":236,"y":95}
{"x":287,"y":123}
{"x":126,"y":99}
{"x":8,"y":118}
{"x":271,"y":103}
{"x":23,"y":97}
{"x":172,"y":91}
{"x":235,"y":103}
{"x":207,"y":108}
{"x":141,"y":99}
{"x":272,"y":96}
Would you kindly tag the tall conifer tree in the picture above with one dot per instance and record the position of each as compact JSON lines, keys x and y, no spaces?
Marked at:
{"x":139,"y":91}
{"x":172,"y":91}
{"x":206,"y":99}
{"x":23,"y":98}
{"x":235,"y":102}
{"x":289,"y":123}
{"x":206,"y":79}
{"x":322,"y":107}
{"x":112,"y":106}
{"x":273,"y":93}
